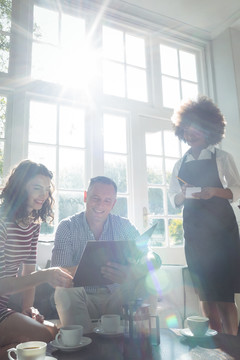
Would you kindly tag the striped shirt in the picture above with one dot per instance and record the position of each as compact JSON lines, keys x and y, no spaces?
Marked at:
{"x":17,"y":246}
{"x":73,"y":233}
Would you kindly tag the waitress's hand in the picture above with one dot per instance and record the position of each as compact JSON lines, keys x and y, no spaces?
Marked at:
{"x":206,"y":193}
{"x":180,"y":197}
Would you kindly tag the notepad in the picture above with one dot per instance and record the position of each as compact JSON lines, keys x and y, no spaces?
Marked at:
{"x":190,"y":191}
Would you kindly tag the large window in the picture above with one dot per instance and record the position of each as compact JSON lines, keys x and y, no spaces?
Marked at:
{"x":124,"y":60}
{"x":57,"y":139}
{"x":179,"y":74}
{"x":81,"y":81}
{"x":115,"y":157}
{"x":60,"y":51}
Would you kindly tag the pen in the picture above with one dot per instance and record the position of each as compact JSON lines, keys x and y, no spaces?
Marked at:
{"x":181,"y":180}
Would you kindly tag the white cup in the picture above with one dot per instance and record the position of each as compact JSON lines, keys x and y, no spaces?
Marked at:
{"x":30,"y":350}
{"x":198,"y":325}
{"x":110,"y":323}
{"x":69,"y":335}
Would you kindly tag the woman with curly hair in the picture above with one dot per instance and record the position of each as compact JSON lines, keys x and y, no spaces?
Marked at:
{"x":210,"y":229}
{"x":26,"y":200}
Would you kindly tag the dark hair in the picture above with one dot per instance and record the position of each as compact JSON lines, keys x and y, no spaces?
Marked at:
{"x":14,"y":197}
{"x":102,"y":180}
{"x":205,"y":115}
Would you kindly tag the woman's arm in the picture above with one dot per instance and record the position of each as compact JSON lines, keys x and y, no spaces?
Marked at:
{"x":28,"y":295}
{"x":209,"y":192}
{"x":228,"y":174}
{"x":53,"y":276}
{"x":176,"y":193}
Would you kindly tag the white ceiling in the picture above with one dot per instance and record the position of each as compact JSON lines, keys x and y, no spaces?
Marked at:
{"x":202,"y":18}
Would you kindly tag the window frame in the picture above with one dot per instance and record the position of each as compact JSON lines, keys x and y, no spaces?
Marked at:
{"x":19,"y":94}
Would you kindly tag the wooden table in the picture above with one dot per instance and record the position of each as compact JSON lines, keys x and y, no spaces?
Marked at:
{"x":172,"y":347}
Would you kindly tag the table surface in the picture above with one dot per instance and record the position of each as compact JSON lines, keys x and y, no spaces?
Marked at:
{"x":172,"y":347}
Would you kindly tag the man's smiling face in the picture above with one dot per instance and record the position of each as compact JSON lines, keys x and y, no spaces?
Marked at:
{"x":101,"y":198}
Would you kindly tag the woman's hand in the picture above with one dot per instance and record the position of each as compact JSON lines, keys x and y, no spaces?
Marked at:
{"x":57,"y":277}
{"x":206,"y":193}
{"x":34,"y":314}
{"x":180,"y":197}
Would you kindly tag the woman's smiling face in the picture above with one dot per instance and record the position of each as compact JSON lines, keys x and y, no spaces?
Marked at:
{"x":195,"y":137}
{"x":38,"y":191}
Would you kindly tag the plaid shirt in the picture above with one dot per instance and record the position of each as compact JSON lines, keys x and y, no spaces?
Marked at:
{"x":73,"y":233}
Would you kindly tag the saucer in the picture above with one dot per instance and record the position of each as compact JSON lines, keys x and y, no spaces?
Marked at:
{"x":187,"y":332}
{"x":99,"y":330}
{"x":84,"y":342}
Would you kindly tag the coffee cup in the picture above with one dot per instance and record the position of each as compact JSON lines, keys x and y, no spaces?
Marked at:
{"x":69,"y":335}
{"x":198,"y":325}
{"x":30,"y":350}
{"x":110,"y":323}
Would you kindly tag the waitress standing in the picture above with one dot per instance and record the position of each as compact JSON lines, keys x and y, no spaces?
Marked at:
{"x":211,"y":232}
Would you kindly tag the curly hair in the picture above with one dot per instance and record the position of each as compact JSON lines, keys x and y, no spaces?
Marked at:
{"x":14,"y":197}
{"x":203,"y":114}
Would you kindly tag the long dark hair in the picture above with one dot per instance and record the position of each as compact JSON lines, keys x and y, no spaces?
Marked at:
{"x":14,"y":197}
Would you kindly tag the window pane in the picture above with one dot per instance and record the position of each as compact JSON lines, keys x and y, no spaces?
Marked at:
{"x":42,"y":122}
{"x":3,"y":108}
{"x":113,"y":71}
{"x":188,"y":66}
{"x":1,"y":161}
{"x":171,"y":92}
{"x":72,"y":31}
{"x":45,"y":25}
{"x":71,"y":168}
{"x":45,"y":155}
{"x":45,"y":62}
{"x":75,"y":70}
{"x":175,"y":232}
{"x":171,"y":144}
{"x":115,"y":167}
{"x":154,"y":170}
{"x":154,"y":143}
{"x":158,"y":238}
{"x":5,"y":15}
{"x":169,"y":164}
{"x":189,"y":90}
{"x":70,"y":203}
{"x":71,"y":127}
{"x":121,"y":207}
{"x":172,"y":210}
{"x":115,"y":134}
{"x":135,"y":51}
{"x":155,"y":201}
{"x":113,"y":47}
{"x":47,"y":229}
{"x":169,"y":60}
{"x":4,"y":52}
{"x":136,"y":84}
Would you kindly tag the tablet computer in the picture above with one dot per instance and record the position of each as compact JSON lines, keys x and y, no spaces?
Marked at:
{"x":97,"y":253}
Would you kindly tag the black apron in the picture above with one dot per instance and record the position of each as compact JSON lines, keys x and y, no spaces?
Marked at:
{"x":212,"y":246}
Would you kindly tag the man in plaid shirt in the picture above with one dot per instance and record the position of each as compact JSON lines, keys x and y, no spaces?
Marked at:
{"x":79,"y":305}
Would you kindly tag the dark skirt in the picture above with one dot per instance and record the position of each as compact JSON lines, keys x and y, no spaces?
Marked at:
{"x":212,"y":249}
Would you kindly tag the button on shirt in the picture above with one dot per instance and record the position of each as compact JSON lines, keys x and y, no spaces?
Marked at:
{"x":73,"y":233}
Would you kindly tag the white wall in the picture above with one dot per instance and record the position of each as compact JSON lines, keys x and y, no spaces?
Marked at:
{"x":226,"y":68}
